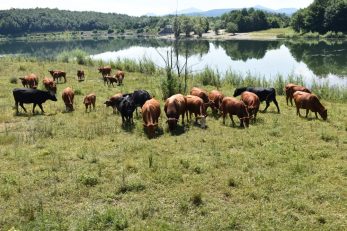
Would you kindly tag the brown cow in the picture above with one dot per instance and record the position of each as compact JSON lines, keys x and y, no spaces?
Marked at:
{"x":252,"y":102}
{"x":150,"y":114}
{"x":30,"y":81}
{"x":49,"y":84}
{"x":311,"y":102}
{"x":105,"y":70}
{"x":80,"y":75}
{"x":200,"y":93}
{"x":68,"y":95}
{"x":233,"y":106}
{"x":215,"y":98}
{"x":120,"y":76}
{"x":291,"y":88}
{"x":174,"y":107}
{"x":196,"y":105}
{"x":89,"y":100}
{"x":112,"y":101}
{"x":57,"y":75}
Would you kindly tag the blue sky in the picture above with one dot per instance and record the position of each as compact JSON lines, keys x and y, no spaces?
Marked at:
{"x":141,"y":7}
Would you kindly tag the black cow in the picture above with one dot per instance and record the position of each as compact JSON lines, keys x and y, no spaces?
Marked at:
{"x":28,"y":95}
{"x":140,"y":97}
{"x":126,"y":107}
{"x":264,"y":94}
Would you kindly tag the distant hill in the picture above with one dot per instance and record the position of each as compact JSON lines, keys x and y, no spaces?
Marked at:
{"x":219,"y":12}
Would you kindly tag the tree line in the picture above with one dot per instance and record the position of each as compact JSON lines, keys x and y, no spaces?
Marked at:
{"x":321,"y":16}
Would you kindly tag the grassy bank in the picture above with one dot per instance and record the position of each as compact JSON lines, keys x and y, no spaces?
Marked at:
{"x":83,"y":171}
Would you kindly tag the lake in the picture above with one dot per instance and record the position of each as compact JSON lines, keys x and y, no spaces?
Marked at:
{"x":315,"y":61}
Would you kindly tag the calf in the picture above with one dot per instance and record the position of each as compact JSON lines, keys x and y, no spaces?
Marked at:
{"x":120,"y":76}
{"x":80,"y":75}
{"x":174,"y":107}
{"x":68,"y":96}
{"x":150,"y":114}
{"x":126,"y":107}
{"x":30,"y":81}
{"x":196,"y":105}
{"x":57,"y":75}
{"x":27,"y":95}
{"x":110,"y":80}
{"x":112,"y":101}
{"x":252,"y":102}
{"x":233,"y":106}
{"x":291,"y":88}
{"x":89,"y":100}
{"x":50,"y":84}
{"x":311,"y":102}
{"x":215,"y":98}
{"x":264,"y":94}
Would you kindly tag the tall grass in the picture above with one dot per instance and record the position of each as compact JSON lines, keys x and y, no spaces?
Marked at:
{"x":77,"y":55}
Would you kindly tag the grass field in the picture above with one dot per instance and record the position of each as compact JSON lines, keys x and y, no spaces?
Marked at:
{"x":84,"y":171}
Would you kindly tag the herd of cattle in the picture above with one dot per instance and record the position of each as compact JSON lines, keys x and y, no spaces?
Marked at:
{"x":197,"y":102}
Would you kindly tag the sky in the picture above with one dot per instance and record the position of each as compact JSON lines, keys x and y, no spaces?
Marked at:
{"x":142,"y":7}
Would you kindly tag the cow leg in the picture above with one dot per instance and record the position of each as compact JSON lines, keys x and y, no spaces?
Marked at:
{"x":298,"y":111}
{"x":307,"y":113}
{"x":241,"y":123}
{"x":278,"y":109}
{"x":196,"y":118}
{"x":267,"y":105}
{"x":183,"y":119}
{"x":224,"y":115}
{"x":232,"y":119}
{"x":40,"y":105}
{"x":287,"y":98}
{"x":123,"y":120}
{"x":316,"y":115}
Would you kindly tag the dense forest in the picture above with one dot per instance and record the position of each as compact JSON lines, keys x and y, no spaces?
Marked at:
{"x":247,"y":20}
{"x":321,"y":16}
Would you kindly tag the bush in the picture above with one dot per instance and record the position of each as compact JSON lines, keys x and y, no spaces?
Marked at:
{"x":209,"y":77}
{"x":110,"y":31}
{"x":110,"y":219}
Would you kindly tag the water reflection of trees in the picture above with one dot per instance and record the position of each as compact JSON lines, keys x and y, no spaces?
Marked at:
{"x":246,"y":49}
{"x":199,"y":47}
{"x":321,"y":57}
{"x":50,"y":49}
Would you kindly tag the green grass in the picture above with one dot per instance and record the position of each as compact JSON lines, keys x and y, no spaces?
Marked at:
{"x":273,"y":32}
{"x":83,"y":171}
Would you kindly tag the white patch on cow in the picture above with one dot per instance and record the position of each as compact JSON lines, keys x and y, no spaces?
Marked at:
{"x":203,"y":121}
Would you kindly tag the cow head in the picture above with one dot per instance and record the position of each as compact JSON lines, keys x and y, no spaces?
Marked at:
{"x":238,"y":91}
{"x":324,"y":114}
{"x":52,"y":96}
{"x":202,"y":121}
{"x":108,"y":103}
{"x":172,"y":122}
{"x":150,"y":128}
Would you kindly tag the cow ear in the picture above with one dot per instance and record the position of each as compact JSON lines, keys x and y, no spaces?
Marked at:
{"x":145,"y":125}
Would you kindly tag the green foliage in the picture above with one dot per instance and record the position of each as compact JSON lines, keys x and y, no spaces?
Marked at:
{"x":253,"y":20}
{"x":77,"y":55}
{"x":231,"y":27}
{"x":217,"y":26}
{"x":321,"y":16}
{"x":209,"y":77}
{"x":109,"y":219}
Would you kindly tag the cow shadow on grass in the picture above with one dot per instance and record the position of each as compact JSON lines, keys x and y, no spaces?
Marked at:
{"x":179,"y":130}
{"x":157,"y":133}
{"x":128,"y":127}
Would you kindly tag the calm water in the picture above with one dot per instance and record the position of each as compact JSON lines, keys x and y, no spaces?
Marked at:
{"x":319,"y":61}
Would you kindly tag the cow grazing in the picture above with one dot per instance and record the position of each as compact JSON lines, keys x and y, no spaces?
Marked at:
{"x":126,"y":107}
{"x":57,"y":75}
{"x":120,"y":76}
{"x":80,"y":75}
{"x":50,"y":84}
{"x":252,"y":102}
{"x":89,"y":100}
{"x":233,"y":106}
{"x":110,"y":80}
{"x":202,"y":94}
{"x":150,"y":115}
{"x":68,"y":96}
{"x":30,"y":81}
{"x":174,"y":107}
{"x":28,"y":95}
{"x":196,"y":105}
{"x":264,"y":94}
{"x":215,"y":98}
{"x":111,"y":102}
{"x":291,"y":88}
{"x":309,"y":102}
